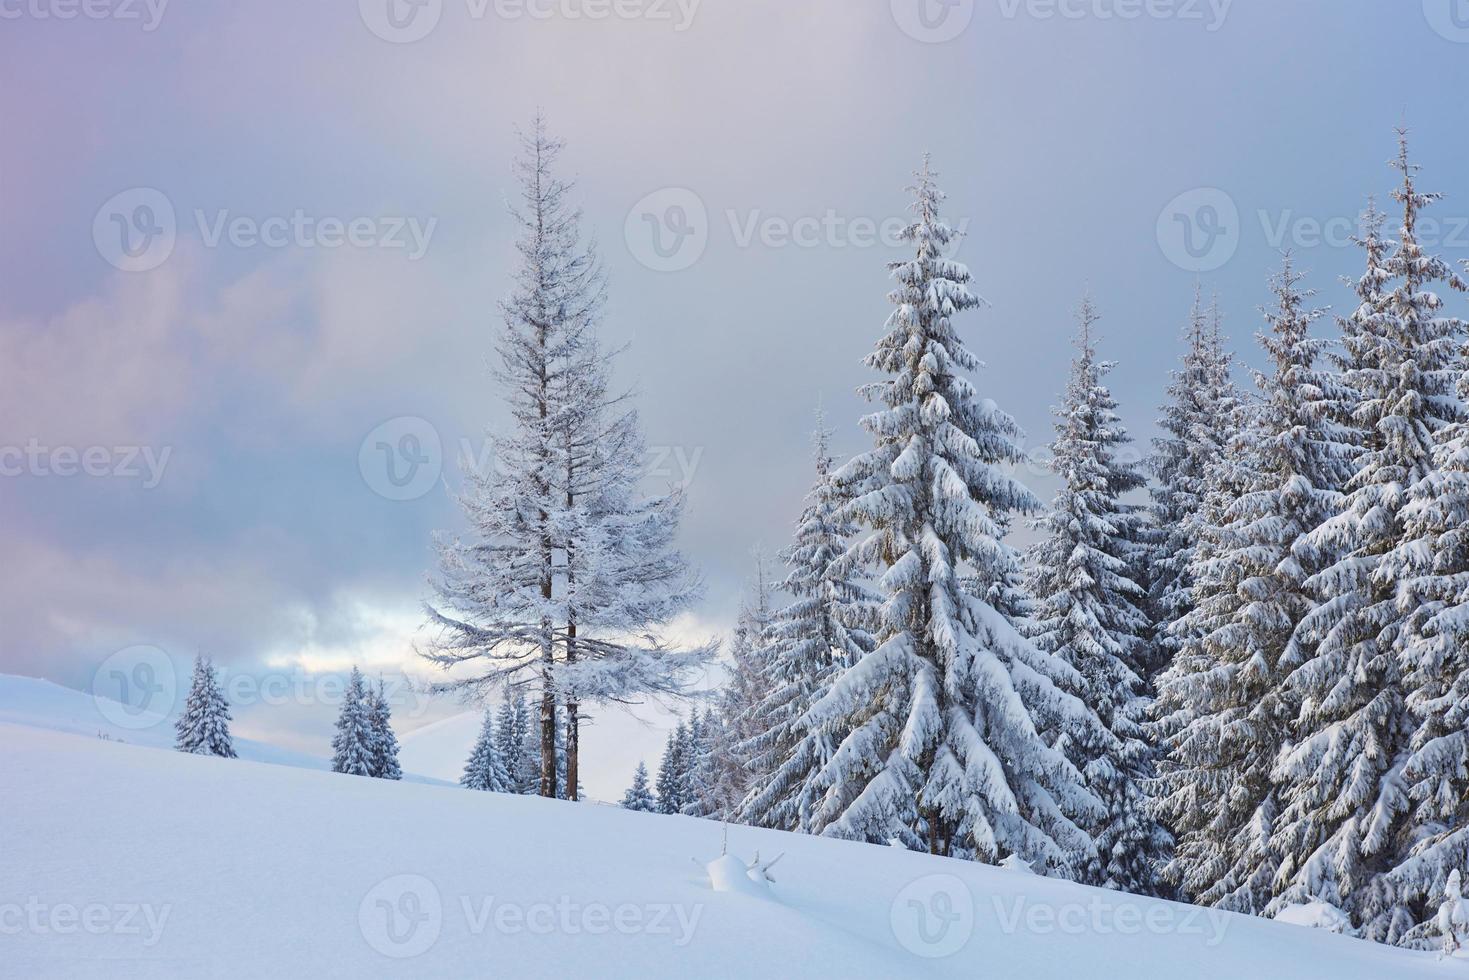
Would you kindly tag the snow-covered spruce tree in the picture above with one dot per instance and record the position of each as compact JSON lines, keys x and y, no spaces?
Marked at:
{"x":741,"y":702}
{"x":1090,"y":615}
{"x":384,"y":741}
{"x":354,"y":745}
{"x":203,"y":728}
{"x":673,"y":772}
{"x":638,"y":796}
{"x":1431,"y":567}
{"x":810,"y":642}
{"x":567,"y":575}
{"x":1282,"y":476}
{"x":1347,"y":798}
{"x":699,"y":761}
{"x":518,"y":750}
{"x":1193,"y":438}
{"x":939,"y":745}
{"x":485,"y":770}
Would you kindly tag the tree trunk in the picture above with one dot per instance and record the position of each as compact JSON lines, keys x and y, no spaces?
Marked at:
{"x":548,"y":741}
{"x":573,"y":723}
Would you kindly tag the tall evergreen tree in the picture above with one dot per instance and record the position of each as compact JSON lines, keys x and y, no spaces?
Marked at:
{"x":564,"y":558}
{"x":1194,"y":423}
{"x":1090,"y":615}
{"x":203,"y":728}
{"x":1288,"y":464}
{"x":820,"y":634}
{"x":939,"y":745}
{"x":1347,"y":799}
{"x":353,"y":747}
{"x":638,"y":796}
{"x":485,"y":770}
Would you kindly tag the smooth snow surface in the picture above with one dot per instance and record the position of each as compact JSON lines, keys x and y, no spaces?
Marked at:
{"x":118,"y":860}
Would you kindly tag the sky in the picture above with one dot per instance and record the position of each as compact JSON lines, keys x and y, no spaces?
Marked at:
{"x":253,"y":254}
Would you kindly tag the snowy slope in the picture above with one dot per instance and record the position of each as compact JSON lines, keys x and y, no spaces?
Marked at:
{"x":439,"y":749}
{"x":41,"y":704}
{"x":183,"y":866}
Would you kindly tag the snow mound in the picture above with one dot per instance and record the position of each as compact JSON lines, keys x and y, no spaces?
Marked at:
{"x":1316,"y":915}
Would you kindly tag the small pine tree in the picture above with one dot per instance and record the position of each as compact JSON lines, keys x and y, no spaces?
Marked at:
{"x":731,"y":772}
{"x":698,"y":762}
{"x":673,"y":772}
{"x":384,"y":741}
{"x":485,"y":771}
{"x":203,"y":728}
{"x":638,"y":796}
{"x":354,"y":749}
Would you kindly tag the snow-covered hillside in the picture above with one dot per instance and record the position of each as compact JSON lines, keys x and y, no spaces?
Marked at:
{"x":124,"y":861}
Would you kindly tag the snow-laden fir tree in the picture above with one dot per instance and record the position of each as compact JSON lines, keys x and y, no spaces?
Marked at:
{"x":567,"y":574}
{"x":485,"y":770}
{"x":939,"y":747}
{"x":1193,"y":436}
{"x":741,"y":702}
{"x":698,"y":754}
{"x":1286,"y":470}
{"x":354,"y":748}
{"x":1090,"y":615}
{"x":639,"y":796}
{"x":203,"y":728}
{"x":1347,"y":798}
{"x":384,"y":741}
{"x":809,"y":643}
{"x":673,"y":772}
{"x":1431,"y":567}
